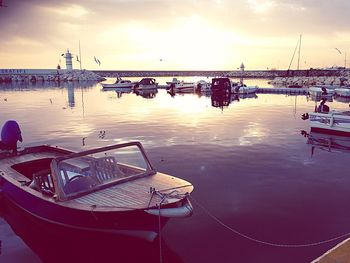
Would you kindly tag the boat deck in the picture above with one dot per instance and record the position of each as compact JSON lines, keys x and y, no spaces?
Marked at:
{"x":135,"y":193}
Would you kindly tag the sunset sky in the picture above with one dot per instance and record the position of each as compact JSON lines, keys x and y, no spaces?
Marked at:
{"x":174,"y":34}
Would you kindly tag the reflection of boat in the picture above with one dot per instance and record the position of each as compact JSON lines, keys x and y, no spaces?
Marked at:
{"x":220,"y":100}
{"x":245,"y":96}
{"x":45,"y":243}
{"x":342,"y":99}
{"x":342,"y":92}
{"x":119,"y":83}
{"x":181,"y":86}
{"x":148,"y":94}
{"x":112,"y":190}
{"x":240,"y":88}
{"x":329,"y":142}
{"x":334,"y":122}
{"x":146,"y":83}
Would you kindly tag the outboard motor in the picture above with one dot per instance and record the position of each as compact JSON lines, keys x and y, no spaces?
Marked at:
{"x":10,"y":135}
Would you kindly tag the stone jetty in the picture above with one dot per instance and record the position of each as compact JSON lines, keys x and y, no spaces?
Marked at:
{"x":265,"y":74}
{"x":37,"y":75}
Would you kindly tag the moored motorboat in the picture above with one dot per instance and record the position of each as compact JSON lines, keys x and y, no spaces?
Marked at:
{"x":112,"y":190}
{"x":202,"y":86}
{"x":333,"y":122}
{"x":221,"y":85}
{"x":180,"y":86}
{"x":146,"y":83}
{"x":119,"y":83}
{"x":241,"y":88}
{"x":321,"y":92}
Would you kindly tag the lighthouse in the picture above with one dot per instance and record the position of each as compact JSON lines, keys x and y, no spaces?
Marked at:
{"x":69,"y":63}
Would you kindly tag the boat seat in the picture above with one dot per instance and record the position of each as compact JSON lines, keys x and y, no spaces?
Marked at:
{"x":42,"y":182}
{"x":106,"y":168}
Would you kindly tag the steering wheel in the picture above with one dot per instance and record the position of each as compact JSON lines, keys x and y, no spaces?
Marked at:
{"x":74,"y":177}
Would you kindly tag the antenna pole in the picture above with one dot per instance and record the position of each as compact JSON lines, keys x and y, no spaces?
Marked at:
{"x":299,"y":51}
{"x":79,"y":55}
{"x":345,"y":61}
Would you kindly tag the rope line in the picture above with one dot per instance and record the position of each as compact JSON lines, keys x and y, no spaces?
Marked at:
{"x":311,"y":244}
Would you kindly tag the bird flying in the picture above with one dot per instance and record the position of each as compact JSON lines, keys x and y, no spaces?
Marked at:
{"x":338,"y":50}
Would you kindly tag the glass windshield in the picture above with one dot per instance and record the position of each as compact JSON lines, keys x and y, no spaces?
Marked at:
{"x":88,"y":172}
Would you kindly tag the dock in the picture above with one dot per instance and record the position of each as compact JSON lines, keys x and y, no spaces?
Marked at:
{"x":339,"y":254}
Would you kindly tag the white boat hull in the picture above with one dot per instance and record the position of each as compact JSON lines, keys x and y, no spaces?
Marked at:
{"x":318,"y":92}
{"x":333,"y":122}
{"x":244,"y":89}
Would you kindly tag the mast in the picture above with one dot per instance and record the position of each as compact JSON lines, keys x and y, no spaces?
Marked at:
{"x":299,"y":51}
{"x":79,"y":55}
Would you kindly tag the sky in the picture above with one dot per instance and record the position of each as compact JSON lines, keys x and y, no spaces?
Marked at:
{"x":174,"y":34}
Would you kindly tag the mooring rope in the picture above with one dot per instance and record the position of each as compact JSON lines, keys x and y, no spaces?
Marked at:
{"x":266,"y":242}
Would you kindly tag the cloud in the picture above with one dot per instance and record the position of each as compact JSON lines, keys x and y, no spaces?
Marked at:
{"x":121,"y":27}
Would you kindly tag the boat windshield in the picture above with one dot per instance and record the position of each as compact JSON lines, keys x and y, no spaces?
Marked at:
{"x":92,"y":170}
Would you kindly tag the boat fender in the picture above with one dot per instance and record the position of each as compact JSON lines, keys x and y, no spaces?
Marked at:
{"x":305,"y":116}
{"x":331,"y":121}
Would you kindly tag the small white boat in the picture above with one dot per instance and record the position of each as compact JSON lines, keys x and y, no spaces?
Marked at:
{"x":321,"y":92}
{"x":146,"y":84}
{"x":240,"y":88}
{"x":203,"y":86}
{"x":119,"y":83}
{"x":181,"y":86}
{"x":333,"y":122}
{"x":343,"y":92}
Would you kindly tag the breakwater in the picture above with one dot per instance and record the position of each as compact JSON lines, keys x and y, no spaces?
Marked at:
{"x":283,"y":76}
{"x":267,"y":74}
{"x":40,"y":75}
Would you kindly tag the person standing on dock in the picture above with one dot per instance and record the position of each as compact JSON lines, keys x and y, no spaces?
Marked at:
{"x":10,"y":135}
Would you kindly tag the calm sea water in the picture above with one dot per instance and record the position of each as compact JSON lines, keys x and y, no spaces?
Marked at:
{"x":248,"y":161}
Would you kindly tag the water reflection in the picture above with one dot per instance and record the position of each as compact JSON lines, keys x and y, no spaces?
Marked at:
{"x":71,"y":100}
{"x":147,"y":93}
{"x":327,"y":142}
{"x":52,"y":246}
{"x":342,"y":99}
{"x":220,"y":100}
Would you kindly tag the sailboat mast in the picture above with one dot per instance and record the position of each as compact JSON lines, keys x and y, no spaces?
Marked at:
{"x":299,"y":51}
{"x":79,"y":55}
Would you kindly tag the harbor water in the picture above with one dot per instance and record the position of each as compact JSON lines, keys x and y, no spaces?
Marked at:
{"x":247,"y":158}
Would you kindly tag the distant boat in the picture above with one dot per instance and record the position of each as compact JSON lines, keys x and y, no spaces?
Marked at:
{"x":99,"y":191}
{"x":241,"y":88}
{"x":221,"y":85}
{"x":119,"y":83}
{"x":321,"y":92}
{"x":180,"y":86}
{"x":342,"y":92}
{"x":202,"y":86}
{"x":146,"y":83}
{"x":334,"y":122}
